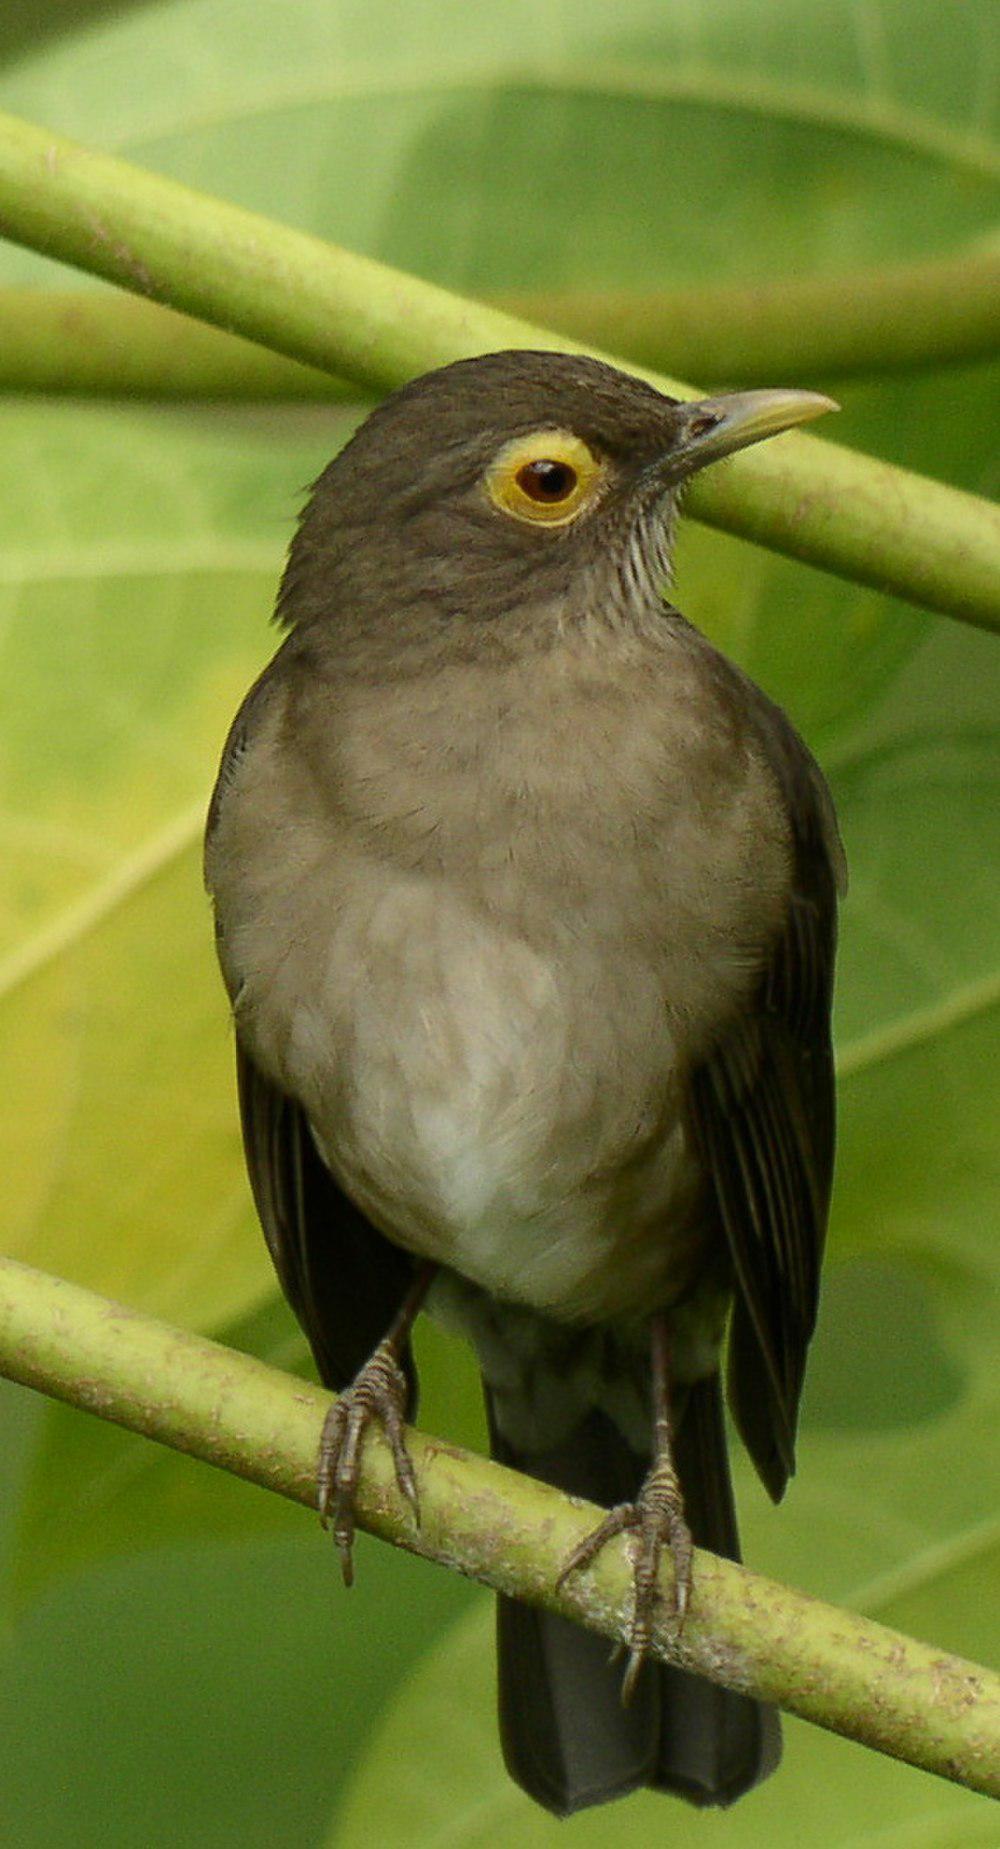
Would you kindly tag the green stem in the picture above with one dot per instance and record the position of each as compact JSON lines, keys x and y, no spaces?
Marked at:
{"x":100,"y":341}
{"x":833,"y":1667}
{"x":344,"y":313}
{"x":798,"y":329}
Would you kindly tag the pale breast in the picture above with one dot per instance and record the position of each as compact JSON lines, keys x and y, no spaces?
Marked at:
{"x":490,"y":1117}
{"x":474,"y":972}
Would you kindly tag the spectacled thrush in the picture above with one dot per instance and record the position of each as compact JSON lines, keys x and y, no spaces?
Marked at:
{"x":526,"y":905}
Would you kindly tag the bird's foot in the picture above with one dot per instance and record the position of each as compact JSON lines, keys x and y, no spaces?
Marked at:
{"x":656,"y":1518}
{"x":377,"y":1395}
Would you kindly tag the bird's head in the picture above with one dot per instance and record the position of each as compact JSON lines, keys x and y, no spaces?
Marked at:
{"x":500,"y":498}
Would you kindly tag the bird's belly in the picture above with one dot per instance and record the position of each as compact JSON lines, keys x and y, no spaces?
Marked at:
{"x":510,"y":1114}
{"x":573,"y":1248}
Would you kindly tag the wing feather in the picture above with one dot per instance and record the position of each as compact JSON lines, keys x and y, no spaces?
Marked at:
{"x":763,"y":1114}
{"x":343,"y":1279}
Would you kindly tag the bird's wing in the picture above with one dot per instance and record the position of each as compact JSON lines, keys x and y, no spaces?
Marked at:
{"x":763,"y":1115}
{"x":344,"y":1281}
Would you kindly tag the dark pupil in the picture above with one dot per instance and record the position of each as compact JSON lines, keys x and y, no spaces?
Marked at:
{"x":547,"y":481}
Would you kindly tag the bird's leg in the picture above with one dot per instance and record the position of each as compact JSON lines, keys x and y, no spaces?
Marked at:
{"x":655,"y":1517}
{"x":377,"y":1394}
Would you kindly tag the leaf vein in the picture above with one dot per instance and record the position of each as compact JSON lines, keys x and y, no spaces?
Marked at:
{"x":102,"y":900}
{"x":922,"y":1024}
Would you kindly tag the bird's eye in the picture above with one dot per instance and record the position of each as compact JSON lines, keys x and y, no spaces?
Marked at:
{"x":546,"y":479}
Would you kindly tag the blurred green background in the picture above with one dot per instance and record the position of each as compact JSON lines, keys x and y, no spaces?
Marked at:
{"x":179,"y":1662}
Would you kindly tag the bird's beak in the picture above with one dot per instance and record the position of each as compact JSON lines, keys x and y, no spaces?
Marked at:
{"x":709,"y":428}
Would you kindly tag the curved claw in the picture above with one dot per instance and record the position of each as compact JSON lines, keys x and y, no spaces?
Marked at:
{"x":617,"y":1520}
{"x":656,"y":1517}
{"x":377,"y":1395}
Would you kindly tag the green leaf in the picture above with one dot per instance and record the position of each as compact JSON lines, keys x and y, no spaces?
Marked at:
{"x":530,"y":144}
{"x":138,"y":556}
{"x":205,"y":1695}
{"x":433,"y":1776}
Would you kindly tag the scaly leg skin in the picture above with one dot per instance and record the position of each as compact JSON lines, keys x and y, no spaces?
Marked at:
{"x":377,"y":1395}
{"x":656,"y":1517}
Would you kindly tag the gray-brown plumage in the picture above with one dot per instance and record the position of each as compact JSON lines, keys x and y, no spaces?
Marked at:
{"x":526,"y":904}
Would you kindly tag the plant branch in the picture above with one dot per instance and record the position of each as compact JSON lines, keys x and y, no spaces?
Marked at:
{"x":798,"y":329}
{"x":330,"y":308}
{"x":833,"y":1667}
{"x":801,"y":328}
{"x":91,"y":342}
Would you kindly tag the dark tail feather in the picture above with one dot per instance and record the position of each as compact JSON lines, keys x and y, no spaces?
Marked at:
{"x":566,"y":1737}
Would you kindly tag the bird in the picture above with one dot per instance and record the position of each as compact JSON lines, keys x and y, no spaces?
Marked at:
{"x":526,"y":904}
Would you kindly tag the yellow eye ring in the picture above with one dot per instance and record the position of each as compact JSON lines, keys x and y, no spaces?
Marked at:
{"x":545,"y":479}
